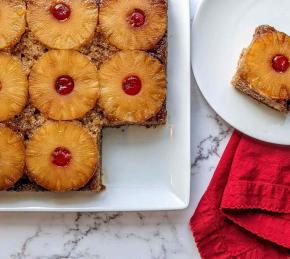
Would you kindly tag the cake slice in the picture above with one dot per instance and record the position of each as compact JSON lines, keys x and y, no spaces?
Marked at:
{"x":28,"y":123}
{"x":263,"y":70}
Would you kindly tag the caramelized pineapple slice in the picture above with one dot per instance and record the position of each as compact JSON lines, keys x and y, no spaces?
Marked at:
{"x":67,"y":24}
{"x":265,"y":65}
{"x":13,"y":87}
{"x":12,"y":22}
{"x":133,"y":87}
{"x":67,"y":160}
{"x":12,"y":158}
{"x":134,"y":24}
{"x":63,"y":85}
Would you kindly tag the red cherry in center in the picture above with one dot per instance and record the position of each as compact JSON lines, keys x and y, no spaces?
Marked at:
{"x":136,"y":18}
{"x":64,"y":85}
{"x":132,"y":85}
{"x":60,"y":11}
{"x":280,"y":63}
{"x":61,"y":157}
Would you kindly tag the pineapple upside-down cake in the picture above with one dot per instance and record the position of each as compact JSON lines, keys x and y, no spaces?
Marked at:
{"x":263,"y":71}
{"x":69,"y":68}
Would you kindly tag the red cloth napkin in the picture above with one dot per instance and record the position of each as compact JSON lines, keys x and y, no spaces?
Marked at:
{"x":245,"y":212}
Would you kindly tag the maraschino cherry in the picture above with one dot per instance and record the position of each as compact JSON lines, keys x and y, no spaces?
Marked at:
{"x":137,"y":18}
{"x":64,"y":85}
{"x":60,"y":11}
{"x":280,"y":63}
{"x":132,"y":85}
{"x":61,"y":157}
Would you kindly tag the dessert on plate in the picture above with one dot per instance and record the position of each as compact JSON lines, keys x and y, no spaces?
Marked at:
{"x":69,"y":69}
{"x":263,"y":71}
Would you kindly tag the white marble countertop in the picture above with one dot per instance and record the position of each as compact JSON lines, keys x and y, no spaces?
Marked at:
{"x":162,"y":235}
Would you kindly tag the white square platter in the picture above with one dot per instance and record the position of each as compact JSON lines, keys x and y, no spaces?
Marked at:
{"x":144,"y":169}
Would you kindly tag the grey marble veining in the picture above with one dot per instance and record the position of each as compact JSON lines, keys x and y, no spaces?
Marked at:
{"x":153,"y":235}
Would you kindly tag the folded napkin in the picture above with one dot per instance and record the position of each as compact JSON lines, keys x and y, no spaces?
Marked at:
{"x":245,"y":212}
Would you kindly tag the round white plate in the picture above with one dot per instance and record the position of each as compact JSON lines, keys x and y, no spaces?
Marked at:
{"x":222,"y":28}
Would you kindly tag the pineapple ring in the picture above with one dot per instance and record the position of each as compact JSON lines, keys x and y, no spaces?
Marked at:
{"x":116,"y":25}
{"x":258,"y":67}
{"x":84,"y":156}
{"x":48,"y":69}
{"x":12,"y":158}
{"x":72,"y":33}
{"x":12,"y":22}
{"x":142,"y":105}
{"x":13,"y":87}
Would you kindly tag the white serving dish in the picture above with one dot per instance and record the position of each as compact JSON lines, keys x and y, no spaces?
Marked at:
{"x":144,"y":169}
